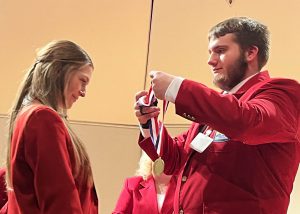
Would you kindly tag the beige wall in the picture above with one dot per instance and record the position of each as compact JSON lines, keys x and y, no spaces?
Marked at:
{"x":115,"y":33}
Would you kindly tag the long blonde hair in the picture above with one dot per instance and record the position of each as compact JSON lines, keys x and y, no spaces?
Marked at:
{"x":145,"y":166}
{"x":45,"y":81}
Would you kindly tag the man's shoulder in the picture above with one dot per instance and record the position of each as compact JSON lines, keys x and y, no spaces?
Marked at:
{"x":283,"y":83}
{"x":263,"y":80}
{"x":279,"y":86}
{"x":283,"y":80}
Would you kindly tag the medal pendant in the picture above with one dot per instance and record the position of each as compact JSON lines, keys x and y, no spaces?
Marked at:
{"x":158,"y":166}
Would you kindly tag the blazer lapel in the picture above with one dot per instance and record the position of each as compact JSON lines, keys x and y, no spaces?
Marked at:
{"x":148,"y":193}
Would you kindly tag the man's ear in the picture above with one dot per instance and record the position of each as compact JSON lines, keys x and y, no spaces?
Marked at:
{"x":251,"y":53}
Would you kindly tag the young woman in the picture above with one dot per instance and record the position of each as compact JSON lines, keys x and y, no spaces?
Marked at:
{"x":48,"y":168}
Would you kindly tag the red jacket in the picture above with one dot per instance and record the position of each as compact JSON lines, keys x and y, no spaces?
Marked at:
{"x":42,"y":161}
{"x":3,"y":192}
{"x":251,"y":173}
{"x":139,"y":196}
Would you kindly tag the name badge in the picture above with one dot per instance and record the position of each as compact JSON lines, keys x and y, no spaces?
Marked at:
{"x":201,"y":142}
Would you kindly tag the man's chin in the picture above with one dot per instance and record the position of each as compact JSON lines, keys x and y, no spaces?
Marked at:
{"x":219,"y":80}
{"x":221,"y":84}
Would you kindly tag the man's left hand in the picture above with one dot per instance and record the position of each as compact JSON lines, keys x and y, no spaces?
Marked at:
{"x":160,"y":83}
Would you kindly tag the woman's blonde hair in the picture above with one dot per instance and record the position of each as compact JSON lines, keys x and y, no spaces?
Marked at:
{"x":145,"y":166}
{"x":45,"y":81}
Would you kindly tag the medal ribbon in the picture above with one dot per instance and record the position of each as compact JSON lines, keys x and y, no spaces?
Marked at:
{"x":159,"y":137}
{"x":155,"y":126}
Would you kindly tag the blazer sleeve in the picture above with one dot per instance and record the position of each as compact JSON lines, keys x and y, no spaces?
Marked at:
{"x":47,"y":146}
{"x":269,"y":114}
{"x":174,"y":151}
{"x":125,"y":202}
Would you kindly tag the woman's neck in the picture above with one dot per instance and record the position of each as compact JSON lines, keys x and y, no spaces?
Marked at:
{"x":161,"y":183}
{"x":161,"y":188}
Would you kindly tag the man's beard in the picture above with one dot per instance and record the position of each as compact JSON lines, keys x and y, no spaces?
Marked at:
{"x":234,"y":76}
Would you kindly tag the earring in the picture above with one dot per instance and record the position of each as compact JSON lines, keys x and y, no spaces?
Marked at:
{"x":82,"y":93}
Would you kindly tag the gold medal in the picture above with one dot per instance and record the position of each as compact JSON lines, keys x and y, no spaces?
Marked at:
{"x":158,"y":166}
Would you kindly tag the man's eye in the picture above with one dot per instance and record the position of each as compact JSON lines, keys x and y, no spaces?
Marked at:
{"x":220,"y":51}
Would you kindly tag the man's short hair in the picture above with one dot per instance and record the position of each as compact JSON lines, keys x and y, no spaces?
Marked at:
{"x":248,"y":32}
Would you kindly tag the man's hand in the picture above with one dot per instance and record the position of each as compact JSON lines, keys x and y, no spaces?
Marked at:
{"x":147,"y":112}
{"x":160,"y":83}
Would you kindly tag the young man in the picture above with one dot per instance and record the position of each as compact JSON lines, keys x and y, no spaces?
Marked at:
{"x":250,"y":165}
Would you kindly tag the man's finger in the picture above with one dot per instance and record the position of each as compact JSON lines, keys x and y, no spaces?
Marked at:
{"x":140,"y":94}
{"x":152,"y":74}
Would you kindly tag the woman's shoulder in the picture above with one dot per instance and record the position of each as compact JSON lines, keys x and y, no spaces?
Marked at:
{"x":40,"y":109}
{"x":40,"y":112}
{"x":37,"y":116}
{"x":135,"y":181}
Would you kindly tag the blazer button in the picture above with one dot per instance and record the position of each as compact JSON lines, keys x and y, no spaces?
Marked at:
{"x":181,"y":211}
{"x":184,"y":178}
{"x":184,"y":114}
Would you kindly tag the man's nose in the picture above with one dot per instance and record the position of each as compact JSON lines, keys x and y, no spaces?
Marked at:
{"x":212,"y":60}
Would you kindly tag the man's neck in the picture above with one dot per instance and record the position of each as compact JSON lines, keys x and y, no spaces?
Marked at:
{"x":239,"y":85}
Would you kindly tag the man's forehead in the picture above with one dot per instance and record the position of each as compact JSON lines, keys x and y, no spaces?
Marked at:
{"x":221,"y":41}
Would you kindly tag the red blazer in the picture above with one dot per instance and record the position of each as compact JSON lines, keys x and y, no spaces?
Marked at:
{"x":3,"y":192}
{"x":253,"y":171}
{"x":139,"y":196}
{"x":42,"y":161}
